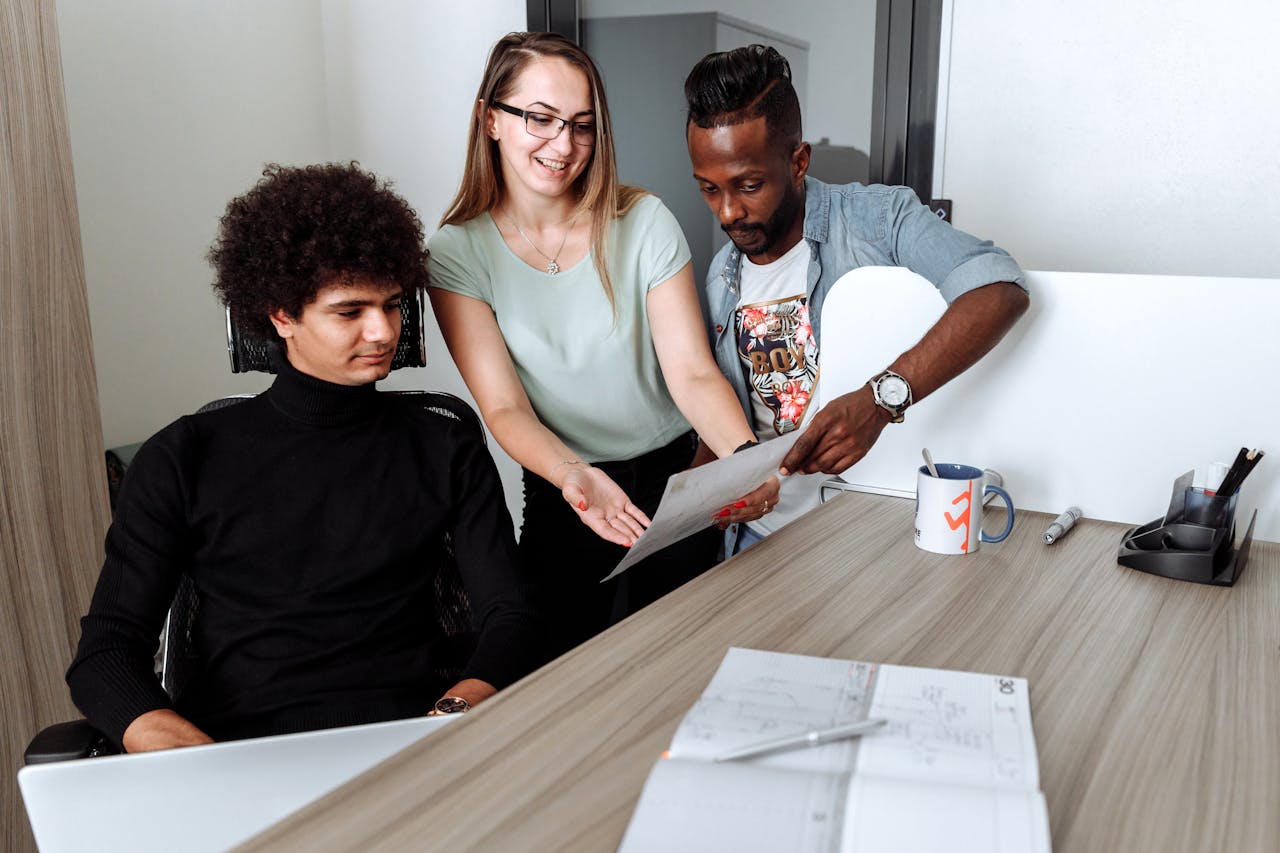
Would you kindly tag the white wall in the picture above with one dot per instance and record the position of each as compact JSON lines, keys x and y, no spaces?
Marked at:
{"x":174,"y":108}
{"x":841,"y":37}
{"x":1118,"y":137}
{"x":402,"y":76}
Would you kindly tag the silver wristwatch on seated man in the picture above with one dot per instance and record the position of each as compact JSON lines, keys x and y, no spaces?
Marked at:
{"x":892,"y":393}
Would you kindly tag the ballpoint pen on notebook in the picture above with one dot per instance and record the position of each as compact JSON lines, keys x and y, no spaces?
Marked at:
{"x":812,"y":738}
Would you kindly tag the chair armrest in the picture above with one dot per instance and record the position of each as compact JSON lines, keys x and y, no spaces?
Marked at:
{"x":67,"y":741}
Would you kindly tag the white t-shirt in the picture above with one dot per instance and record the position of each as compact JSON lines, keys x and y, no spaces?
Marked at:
{"x":775,"y":340}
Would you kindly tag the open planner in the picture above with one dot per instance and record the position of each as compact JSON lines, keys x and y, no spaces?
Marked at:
{"x":953,"y":769}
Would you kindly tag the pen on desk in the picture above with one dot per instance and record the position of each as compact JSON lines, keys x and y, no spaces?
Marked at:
{"x":1062,"y":524}
{"x":813,"y":738}
{"x":1241,"y":468}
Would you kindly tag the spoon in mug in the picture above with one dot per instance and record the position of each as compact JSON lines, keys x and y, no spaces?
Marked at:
{"x":928,"y":462}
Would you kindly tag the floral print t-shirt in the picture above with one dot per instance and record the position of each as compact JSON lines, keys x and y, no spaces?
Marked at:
{"x":778,"y":350}
{"x":776,"y":343}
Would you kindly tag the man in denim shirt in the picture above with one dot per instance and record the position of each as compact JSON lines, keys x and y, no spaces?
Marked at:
{"x":799,"y":236}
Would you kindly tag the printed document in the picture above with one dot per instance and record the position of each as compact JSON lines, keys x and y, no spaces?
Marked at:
{"x":692,"y":496}
{"x":954,"y":769}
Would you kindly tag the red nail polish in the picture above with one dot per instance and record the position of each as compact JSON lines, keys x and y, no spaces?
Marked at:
{"x":721,"y":514}
{"x":582,"y":505}
{"x":740,"y":504}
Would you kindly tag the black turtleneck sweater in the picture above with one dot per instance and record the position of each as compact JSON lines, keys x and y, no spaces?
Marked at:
{"x":308,"y":518}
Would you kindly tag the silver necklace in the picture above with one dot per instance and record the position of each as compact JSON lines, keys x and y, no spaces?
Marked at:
{"x":552,"y":266}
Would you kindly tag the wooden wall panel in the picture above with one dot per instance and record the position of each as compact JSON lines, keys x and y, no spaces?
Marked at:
{"x":53,"y":501}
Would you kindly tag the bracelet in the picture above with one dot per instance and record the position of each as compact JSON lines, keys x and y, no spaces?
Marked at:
{"x":566,"y":462}
{"x":745,"y":445}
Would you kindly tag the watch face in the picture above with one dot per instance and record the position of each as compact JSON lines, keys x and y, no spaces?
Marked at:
{"x":452,"y":705}
{"x":893,"y":390}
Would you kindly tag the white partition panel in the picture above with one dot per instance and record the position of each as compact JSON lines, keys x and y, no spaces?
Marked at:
{"x":1109,"y":388}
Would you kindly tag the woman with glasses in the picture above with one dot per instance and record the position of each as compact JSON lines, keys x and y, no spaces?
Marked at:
{"x":567,"y":301}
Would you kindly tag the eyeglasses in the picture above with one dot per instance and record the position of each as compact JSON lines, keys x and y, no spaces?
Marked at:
{"x":545,"y":126}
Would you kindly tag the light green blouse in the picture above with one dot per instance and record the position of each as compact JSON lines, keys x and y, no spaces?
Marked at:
{"x":592,"y":381}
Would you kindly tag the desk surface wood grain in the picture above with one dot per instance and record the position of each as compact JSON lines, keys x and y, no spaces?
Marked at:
{"x":1156,"y":703}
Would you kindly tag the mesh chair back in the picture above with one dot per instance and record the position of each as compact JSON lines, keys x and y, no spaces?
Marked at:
{"x":179,"y":650}
{"x":453,"y":608}
{"x":249,"y":353}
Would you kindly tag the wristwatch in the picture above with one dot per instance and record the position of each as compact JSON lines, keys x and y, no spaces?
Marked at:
{"x":892,"y":394}
{"x":451,"y":705}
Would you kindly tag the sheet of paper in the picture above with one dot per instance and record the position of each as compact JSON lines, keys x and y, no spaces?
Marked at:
{"x":944,"y":726}
{"x":756,"y":696}
{"x":899,"y":816}
{"x":692,"y":496}
{"x":955,"y":768}
{"x":699,"y":807}
{"x":954,"y":727}
{"x":695,"y":807}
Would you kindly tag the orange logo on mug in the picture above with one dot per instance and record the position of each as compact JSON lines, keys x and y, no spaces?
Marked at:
{"x":962,"y":520}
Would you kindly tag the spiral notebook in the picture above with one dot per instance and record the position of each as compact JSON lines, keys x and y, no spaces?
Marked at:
{"x":954,"y":768}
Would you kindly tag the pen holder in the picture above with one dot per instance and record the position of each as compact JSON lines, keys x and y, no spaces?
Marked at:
{"x":1195,"y":542}
{"x":1201,"y":507}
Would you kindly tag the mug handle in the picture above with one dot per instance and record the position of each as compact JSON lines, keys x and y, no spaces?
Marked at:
{"x":1008,"y":508}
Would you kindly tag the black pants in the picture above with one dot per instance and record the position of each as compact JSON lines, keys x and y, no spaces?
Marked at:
{"x":566,"y":559}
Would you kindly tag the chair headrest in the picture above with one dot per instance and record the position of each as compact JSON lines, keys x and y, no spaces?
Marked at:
{"x":249,"y":353}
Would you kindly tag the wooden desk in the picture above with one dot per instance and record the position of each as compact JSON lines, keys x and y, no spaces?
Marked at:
{"x":1156,"y":703}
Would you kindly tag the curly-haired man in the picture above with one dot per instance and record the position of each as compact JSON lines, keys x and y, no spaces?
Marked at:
{"x":309,"y":517}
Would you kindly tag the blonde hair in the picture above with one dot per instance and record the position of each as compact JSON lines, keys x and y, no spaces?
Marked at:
{"x":598,"y":189}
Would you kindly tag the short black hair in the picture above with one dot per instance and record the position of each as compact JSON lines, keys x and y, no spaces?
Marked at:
{"x":300,"y":229}
{"x":742,"y":84}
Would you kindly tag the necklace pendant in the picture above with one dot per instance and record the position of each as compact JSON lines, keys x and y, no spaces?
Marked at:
{"x":553,"y":268}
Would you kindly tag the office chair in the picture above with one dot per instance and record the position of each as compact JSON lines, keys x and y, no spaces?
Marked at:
{"x":179,"y":656}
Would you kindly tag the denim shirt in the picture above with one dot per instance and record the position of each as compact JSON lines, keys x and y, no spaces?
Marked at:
{"x":849,"y":226}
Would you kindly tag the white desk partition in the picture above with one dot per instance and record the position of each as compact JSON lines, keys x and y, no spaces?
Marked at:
{"x":1108,"y":388}
{"x":204,"y":797}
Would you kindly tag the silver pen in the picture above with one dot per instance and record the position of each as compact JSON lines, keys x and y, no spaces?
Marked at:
{"x":813,"y":738}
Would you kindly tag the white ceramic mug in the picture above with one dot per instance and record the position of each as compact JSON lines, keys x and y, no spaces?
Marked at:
{"x":949,"y":509}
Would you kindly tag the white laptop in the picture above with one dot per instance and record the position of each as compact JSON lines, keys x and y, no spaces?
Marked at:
{"x":203,"y":797}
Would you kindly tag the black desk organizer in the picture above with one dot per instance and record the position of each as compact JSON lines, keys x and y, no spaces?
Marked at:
{"x":1194,"y":541}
